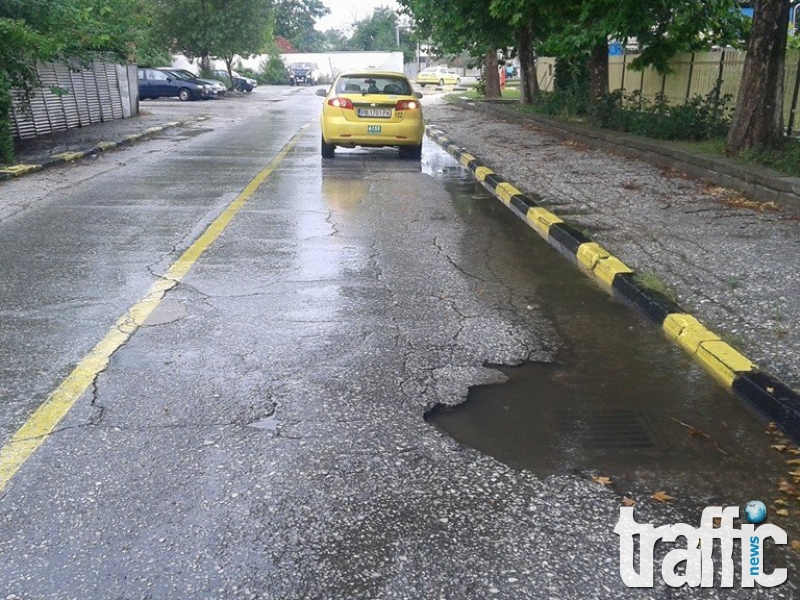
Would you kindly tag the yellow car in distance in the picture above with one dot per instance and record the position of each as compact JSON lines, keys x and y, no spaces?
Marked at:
{"x":372,"y":109}
{"x":438,"y":76}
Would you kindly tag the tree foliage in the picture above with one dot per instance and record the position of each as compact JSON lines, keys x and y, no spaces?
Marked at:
{"x":219,"y":28}
{"x":333,"y":40}
{"x":43,"y":30}
{"x":450,"y":26}
{"x":758,"y":118}
{"x":294,"y":20}
{"x":381,"y":31}
{"x":455,"y":25}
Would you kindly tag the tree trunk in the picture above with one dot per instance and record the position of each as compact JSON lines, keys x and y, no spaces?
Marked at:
{"x":491,"y":76}
{"x":758,"y":118}
{"x":598,"y":71}
{"x":527,"y":66}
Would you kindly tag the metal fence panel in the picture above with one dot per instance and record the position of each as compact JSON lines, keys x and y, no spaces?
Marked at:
{"x":73,"y":95}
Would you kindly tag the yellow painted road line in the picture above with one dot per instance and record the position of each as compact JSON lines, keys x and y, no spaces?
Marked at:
{"x":42,"y":422}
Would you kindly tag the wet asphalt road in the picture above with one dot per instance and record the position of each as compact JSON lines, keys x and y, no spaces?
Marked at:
{"x":262,"y":434}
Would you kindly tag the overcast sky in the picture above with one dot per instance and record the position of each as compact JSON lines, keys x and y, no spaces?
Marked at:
{"x":347,"y":12}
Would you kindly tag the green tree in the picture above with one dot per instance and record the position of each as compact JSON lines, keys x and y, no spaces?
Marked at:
{"x":213,"y":28}
{"x":758,"y":118}
{"x":579,"y":31}
{"x":456,"y":25}
{"x":531,"y":21}
{"x":44,"y":30}
{"x":295,"y":19}
{"x":376,"y":32}
{"x":333,"y":40}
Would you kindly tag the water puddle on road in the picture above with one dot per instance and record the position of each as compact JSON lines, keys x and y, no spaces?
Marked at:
{"x":620,"y":401}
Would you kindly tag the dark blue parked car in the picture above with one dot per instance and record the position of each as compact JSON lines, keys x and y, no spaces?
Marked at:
{"x":155,"y":83}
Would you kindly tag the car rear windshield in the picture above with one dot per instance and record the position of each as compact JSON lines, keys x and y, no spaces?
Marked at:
{"x":373,"y":85}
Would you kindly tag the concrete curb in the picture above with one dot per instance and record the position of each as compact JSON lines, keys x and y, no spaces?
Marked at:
{"x":728,"y":366}
{"x":65,"y":157}
{"x":758,"y":183}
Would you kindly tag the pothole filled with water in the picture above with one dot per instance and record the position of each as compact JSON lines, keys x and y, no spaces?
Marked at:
{"x":620,"y":403}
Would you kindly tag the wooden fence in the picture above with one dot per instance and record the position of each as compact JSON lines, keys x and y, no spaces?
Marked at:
{"x":692,"y":74}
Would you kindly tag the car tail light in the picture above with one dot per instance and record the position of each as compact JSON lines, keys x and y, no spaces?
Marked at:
{"x":341,"y":102}
{"x":406,"y":105}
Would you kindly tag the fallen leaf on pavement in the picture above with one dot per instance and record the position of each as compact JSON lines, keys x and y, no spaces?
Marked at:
{"x":628,"y":501}
{"x":695,"y":432}
{"x":795,"y":545}
{"x":782,"y":512}
{"x":662,"y":497}
{"x":601,"y":480}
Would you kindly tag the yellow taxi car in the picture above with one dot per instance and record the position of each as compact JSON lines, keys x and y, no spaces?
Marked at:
{"x":372,"y":109}
{"x":438,"y":76}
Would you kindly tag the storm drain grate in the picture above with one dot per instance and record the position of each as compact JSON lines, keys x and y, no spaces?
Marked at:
{"x":608,"y":429}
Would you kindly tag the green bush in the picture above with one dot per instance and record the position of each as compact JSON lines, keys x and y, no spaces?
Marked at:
{"x":787,"y":159}
{"x":273,"y":71}
{"x":571,"y":102}
{"x":6,"y":138}
{"x":699,"y":118}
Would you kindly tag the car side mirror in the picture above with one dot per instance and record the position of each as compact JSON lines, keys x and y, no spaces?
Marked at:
{"x":321,"y":92}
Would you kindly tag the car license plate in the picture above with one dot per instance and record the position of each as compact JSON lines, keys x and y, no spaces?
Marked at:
{"x":380,"y":113}
{"x":373,"y":128}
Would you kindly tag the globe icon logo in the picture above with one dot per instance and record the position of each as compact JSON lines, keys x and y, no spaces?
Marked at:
{"x":755,"y":511}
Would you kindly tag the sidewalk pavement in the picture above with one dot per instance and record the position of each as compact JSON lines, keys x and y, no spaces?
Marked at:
{"x":729,"y":261}
{"x":66,"y":146}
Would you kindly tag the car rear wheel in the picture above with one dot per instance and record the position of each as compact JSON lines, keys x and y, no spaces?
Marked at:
{"x":327,"y":149}
{"x":411,"y":152}
{"x":184,"y":94}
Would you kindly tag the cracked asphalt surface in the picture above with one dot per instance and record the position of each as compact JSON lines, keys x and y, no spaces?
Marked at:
{"x":262,"y":436}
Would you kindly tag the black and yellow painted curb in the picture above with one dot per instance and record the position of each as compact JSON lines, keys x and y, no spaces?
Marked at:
{"x":65,"y":157}
{"x":729,"y":367}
